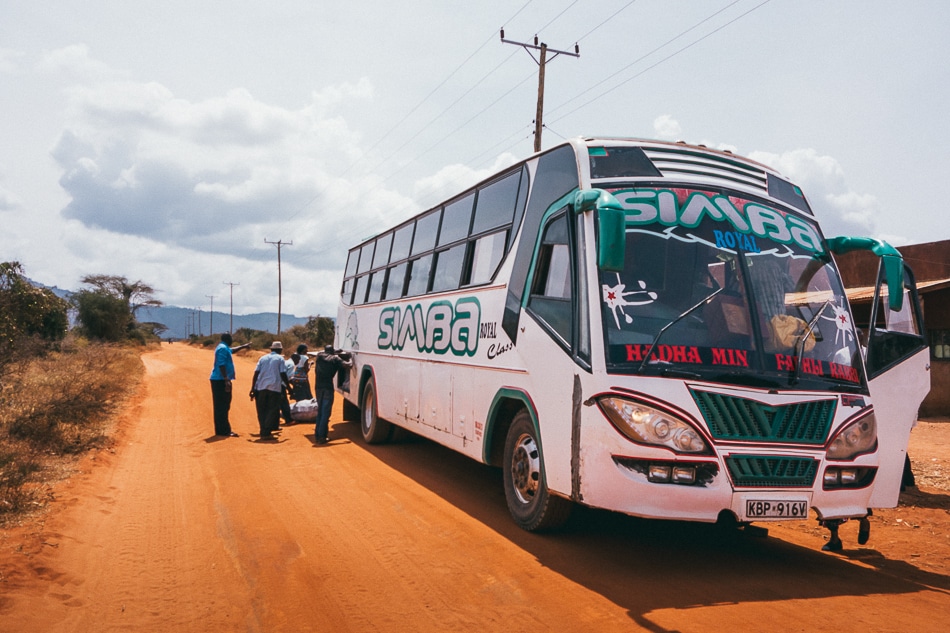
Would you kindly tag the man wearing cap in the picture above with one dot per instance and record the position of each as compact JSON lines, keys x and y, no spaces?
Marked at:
{"x":270,"y":382}
{"x":326,"y":366}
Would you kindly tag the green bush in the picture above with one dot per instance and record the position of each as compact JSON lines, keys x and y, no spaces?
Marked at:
{"x":102,"y":316}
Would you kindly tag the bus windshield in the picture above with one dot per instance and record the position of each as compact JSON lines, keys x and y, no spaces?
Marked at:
{"x":720,"y":287}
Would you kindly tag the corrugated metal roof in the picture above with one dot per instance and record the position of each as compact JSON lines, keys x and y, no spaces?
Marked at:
{"x":866,"y":293}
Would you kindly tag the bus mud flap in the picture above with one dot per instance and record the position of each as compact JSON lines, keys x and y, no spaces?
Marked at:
{"x":576,"y":400}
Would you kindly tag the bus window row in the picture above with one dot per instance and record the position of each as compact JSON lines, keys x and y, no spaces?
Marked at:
{"x":458,"y":244}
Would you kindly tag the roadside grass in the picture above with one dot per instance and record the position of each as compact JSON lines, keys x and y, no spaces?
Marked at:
{"x":55,"y":407}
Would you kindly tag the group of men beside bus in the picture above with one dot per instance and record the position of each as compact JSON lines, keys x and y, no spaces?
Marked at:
{"x":276,"y":380}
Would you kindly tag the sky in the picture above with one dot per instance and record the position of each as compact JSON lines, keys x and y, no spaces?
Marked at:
{"x":175,"y":142}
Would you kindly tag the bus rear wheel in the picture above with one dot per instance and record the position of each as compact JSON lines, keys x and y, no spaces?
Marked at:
{"x":532,"y":506}
{"x":375,"y":431}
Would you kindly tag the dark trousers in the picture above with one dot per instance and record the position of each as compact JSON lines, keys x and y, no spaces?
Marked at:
{"x":324,"y":399}
{"x":221,"y":397}
{"x":285,"y":407}
{"x":268,"y":411}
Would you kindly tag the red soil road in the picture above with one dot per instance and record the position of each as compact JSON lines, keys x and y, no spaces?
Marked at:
{"x":175,"y":530}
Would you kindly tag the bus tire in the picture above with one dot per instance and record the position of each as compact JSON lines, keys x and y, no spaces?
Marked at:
{"x":530,"y":503}
{"x":375,"y":431}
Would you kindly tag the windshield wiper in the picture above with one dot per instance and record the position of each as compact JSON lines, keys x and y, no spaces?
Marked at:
{"x":683,"y":315}
{"x":801,"y":342}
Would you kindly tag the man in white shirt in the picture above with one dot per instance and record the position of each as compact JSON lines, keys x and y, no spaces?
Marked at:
{"x":269,"y":385}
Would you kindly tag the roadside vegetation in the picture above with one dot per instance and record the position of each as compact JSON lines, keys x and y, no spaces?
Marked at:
{"x":315,"y":333}
{"x":59,"y":387}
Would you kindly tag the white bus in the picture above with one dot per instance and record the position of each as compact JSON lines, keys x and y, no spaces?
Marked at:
{"x":653,"y":328}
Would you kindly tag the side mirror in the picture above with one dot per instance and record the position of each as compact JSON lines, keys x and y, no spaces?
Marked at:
{"x":890,"y":257}
{"x":611,"y":226}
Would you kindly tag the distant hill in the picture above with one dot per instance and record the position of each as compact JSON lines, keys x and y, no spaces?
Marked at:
{"x":184,"y":321}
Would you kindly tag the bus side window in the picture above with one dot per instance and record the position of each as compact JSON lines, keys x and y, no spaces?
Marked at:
{"x":419,"y":275}
{"x":550,"y":297}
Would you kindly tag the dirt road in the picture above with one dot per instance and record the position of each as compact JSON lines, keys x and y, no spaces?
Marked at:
{"x":175,"y":530}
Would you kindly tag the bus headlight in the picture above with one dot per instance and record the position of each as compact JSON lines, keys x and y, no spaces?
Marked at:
{"x":854,"y":439}
{"x":647,"y":425}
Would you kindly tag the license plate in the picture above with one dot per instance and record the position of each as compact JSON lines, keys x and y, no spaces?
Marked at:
{"x":775,"y":509}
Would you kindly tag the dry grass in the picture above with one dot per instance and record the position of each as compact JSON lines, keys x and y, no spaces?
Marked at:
{"x":54,"y":407}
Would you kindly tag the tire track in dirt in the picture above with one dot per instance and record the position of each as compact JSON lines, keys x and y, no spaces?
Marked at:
{"x":181,"y":531}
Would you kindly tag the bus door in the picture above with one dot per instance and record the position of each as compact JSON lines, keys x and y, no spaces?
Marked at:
{"x":898,"y":364}
{"x":557,"y":301}
{"x":436,"y":396}
{"x":406,"y":396}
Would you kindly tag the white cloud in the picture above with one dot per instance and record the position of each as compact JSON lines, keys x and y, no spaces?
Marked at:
{"x":182,"y":193}
{"x":75,"y":60}
{"x":10,"y":60}
{"x":9,"y":201}
{"x":841,"y":210}
{"x":454,"y":178}
{"x":138,"y":161}
{"x":666,"y":128}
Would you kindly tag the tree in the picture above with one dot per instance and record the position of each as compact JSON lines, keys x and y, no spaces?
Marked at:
{"x":27,"y":314}
{"x":26,"y":310}
{"x":102,"y":316}
{"x":107,"y":311}
{"x":316,"y":332}
{"x":135,"y":294}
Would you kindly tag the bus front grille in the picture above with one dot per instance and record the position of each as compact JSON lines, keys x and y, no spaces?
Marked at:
{"x":731,"y":418}
{"x":755,"y":471}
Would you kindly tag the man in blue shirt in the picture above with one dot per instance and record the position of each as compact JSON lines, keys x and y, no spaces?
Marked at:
{"x":270,"y":383}
{"x":221,"y":377}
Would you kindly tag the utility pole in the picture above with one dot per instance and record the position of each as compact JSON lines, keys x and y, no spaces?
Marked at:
{"x":278,"y":244}
{"x":231,"y":322}
{"x":211,"y":325}
{"x":543,"y":50}
{"x":199,"y":321}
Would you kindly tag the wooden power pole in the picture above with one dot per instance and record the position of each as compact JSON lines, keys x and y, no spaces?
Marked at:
{"x":278,"y":244}
{"x":211,"y":324}
{"x":543,"y":51}
{"x":231,"y":322}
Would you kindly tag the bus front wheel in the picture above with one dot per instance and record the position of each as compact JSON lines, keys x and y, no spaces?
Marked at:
{"x":531,"y":505}
{"x":375,"y":431}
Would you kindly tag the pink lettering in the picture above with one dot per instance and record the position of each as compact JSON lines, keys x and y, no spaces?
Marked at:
{"x":731,"y":357}
{"x":784,"y":363}
{"x":812,"y":366}
{"x":843,"y":372}
{"x":634,"y":353}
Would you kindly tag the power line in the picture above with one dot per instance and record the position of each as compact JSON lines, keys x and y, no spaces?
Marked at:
{"x":413,"y":110}
{"x":405,"y":165}
{"x":613,"y":15}
{"x":542,"y":63}
{"x":436,"y":89}
{"x":580,"y":93}
{"x":665,"y":59}
{"x":441,"y":114}
{"x":555,"y":18}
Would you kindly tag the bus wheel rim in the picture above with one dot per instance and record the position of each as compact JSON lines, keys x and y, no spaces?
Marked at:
{"x":369,"y":406}
{"x":526,"y":469}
